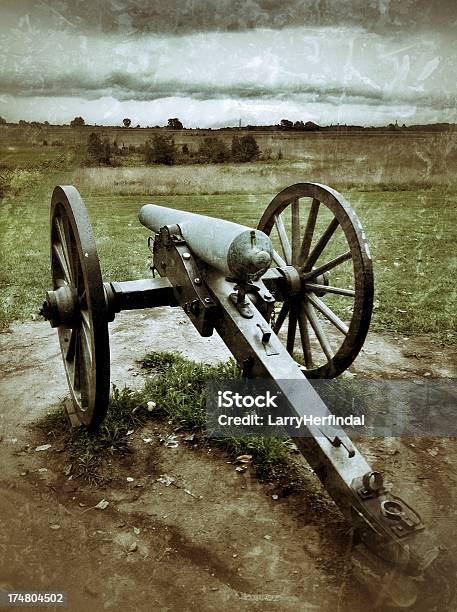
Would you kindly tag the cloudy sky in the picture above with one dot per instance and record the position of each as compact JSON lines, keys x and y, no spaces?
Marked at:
{"x":214,"y":62}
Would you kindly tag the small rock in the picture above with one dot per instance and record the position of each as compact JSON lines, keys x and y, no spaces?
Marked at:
{"x":151,"y":405}
{"x":102,"y":504}
{"x":54,"y":526}
{"x":43,"y":447}
{"x":244,"y":459}
{"x":267,"y":537}
{"x":133,"y":547}
{"x":275,"y":497}
{"x":136,"y":530}
{"x":169,"y":441}
{"x":130,"y":479}
{"x":166,"y":479}
{"x":147,"y":440}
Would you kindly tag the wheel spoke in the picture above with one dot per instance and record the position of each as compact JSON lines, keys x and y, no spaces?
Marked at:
{"x":320,"y":334}
{"x":70,"y":354}
{"x":295,"y":230}
{"x":86,"y":334}
{"x":70,"y":247}
{"x":330,"y":289}
{"x":283,"y":239}
{"x":279,"y":260}
{"x":328,"y":313}
{"x":63,"y":240}
{"x":327,"y":266}
{"x":291,"y":329}
{"x":321,"y":244}
{"x":77,"y":362}
{"x":86,"y":367}
{"x":281,"y":317}
{"x":309,"y":231}
{"x":59,"y":253}
{"x":303,"y":327}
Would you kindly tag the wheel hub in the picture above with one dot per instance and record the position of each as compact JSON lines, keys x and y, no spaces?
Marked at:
{"x":61,"y":307}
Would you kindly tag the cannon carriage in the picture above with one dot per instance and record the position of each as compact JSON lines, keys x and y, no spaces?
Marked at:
{"x":291,"y":299}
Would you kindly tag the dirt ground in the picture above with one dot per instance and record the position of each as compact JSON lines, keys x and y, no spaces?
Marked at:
{"x":214,"y":538}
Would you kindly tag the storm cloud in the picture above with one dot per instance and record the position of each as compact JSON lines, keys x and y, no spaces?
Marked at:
{"x":365,"y":62}
{"x":180,"y":17}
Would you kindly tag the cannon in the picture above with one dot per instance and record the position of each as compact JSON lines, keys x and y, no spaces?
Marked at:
{"x":290,"y":304}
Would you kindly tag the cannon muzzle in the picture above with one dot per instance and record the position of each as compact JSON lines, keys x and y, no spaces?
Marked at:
{"x":238,"y":251}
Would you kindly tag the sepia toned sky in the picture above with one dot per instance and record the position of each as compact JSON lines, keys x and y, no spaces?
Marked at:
{"x":215,"y":62}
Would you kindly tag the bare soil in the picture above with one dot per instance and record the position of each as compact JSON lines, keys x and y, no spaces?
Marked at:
{"x":214,"y":538}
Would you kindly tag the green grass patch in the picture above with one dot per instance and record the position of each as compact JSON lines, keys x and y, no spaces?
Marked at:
{"x":177,"y":388}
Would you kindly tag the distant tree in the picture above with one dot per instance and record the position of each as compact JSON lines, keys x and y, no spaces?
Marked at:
{"x":175,"y":124}
{"x":213,"y":150}
{"x":127,"y":122}
{"x":244,"y":149}
{"x":299,"y":125}
{"x":23,"y":122}
{"x":77,"y":122}
{"x":160,"y":151}
{"x":94,"y":147}
{"x":2,"y":121}
{"x":286,"y":124}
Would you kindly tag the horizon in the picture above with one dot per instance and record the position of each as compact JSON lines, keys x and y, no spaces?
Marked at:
{"x":46,"y":123}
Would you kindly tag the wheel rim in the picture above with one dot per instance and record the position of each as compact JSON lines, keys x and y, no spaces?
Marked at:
{"x":320,"y":235}
{"x":83,"y":325}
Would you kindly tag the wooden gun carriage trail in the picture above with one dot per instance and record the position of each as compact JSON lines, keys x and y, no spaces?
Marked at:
{"x":273,"y":310}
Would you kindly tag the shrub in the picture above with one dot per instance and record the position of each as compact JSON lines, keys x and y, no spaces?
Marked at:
{"x":213,"y":150}
{"x":98,"y":151}
{"x":160,"y":151}
{"x":244,"y":149}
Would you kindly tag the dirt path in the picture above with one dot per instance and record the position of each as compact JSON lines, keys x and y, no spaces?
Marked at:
{"x":214,"y":538}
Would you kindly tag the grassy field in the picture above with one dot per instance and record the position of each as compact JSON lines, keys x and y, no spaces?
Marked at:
{"x":409,"y":217}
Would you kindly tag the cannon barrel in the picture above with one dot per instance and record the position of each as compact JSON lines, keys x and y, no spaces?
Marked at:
{"x":238,"y":251}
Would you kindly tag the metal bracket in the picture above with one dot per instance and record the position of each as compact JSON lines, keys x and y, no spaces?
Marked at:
{"x":174,"y":259}
{"x":384,"y":508}
{"x":338,"y":440}
{"x":266,"y":336}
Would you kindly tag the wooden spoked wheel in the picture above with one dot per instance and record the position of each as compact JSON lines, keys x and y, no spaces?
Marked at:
{"x":325,"y":320}
{"x":77,"y":306}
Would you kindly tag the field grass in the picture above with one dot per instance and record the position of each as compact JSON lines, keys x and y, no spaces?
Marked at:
{"x":409,"y":217}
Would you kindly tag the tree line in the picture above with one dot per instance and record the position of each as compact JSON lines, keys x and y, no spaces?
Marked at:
{"x":163,"y":150}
